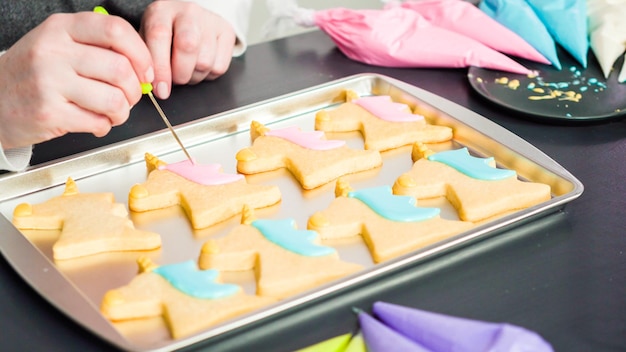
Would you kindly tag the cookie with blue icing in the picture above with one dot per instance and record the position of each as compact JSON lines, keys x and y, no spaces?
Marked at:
{"x":189,"y":300}
{"x":286,"y":260}
{"x":390,"y":225}
{"x":474,"y":186}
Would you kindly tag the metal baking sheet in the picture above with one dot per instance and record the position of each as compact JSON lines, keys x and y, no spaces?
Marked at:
{"x":76,"y":287}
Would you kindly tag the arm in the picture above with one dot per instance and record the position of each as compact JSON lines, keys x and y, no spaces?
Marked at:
{"x":72,"y":73}
{"x":43,"y":109}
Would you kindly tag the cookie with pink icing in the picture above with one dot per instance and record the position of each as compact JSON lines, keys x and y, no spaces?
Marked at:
{"x":311,"y":159}
{"x":206,"y":194}
{"x":286,"y":260}
{"x":383,"y":123}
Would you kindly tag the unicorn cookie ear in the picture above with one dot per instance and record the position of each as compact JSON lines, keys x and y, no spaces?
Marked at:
{"x":342,"y":188}
{"x":257,"y":129}
{"x":70,"y":187}
{"x":351,"y":95}
{"x":420,"y":151}
{"x":247,"y":215}
{"x":145,"y":264}
{"x":153,"y":162}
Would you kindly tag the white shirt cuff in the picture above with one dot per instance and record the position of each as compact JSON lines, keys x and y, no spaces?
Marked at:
{"x":15,"y":159}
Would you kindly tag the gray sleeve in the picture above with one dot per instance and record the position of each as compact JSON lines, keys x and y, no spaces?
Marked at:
{"x":19,"y":17}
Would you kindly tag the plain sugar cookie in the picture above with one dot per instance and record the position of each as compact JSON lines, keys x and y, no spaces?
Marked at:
{"x":89,"y":223}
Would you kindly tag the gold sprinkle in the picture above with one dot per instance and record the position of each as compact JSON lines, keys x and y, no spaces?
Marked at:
{"x":503,"y":80}
{"x":572,"y":96}
{"x":543,"y":97}
{"x":514,"y":84}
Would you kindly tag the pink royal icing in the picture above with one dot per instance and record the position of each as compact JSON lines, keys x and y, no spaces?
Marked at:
{"x":399,"y":37}
{"x":466,"y":18}
{"x":208,"y":175}
{"x":386,"y":109}
{"x":309,"y":139}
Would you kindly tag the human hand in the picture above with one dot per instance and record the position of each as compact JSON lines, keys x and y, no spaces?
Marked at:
{"x":188,"y":43}
{"x":73,"y":73}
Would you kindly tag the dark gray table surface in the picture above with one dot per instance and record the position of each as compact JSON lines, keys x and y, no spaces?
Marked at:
{"x":563,"y":276}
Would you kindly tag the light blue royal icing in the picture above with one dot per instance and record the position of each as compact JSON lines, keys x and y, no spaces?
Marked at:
{"x":519,"y":17}
{"x":187,"y":278}
{"x":567,"y":24}
{"x":284,"y":234}
{"x":393,"y":207}
{"x":474,"y":167}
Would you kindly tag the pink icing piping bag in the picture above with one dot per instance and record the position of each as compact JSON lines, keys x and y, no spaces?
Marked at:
{"x":463,"y":17}
{"x":399,"y":37}
{"x":519,"y":17}
{"x":439,"y":332}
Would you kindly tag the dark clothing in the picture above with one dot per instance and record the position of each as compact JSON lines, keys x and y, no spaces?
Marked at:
{"x":18,"y":17}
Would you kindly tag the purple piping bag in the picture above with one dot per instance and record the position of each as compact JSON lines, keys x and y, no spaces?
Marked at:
{"x":442,"y":333}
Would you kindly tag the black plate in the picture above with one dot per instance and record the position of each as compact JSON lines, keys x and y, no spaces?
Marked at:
{"x":599,"y":98}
